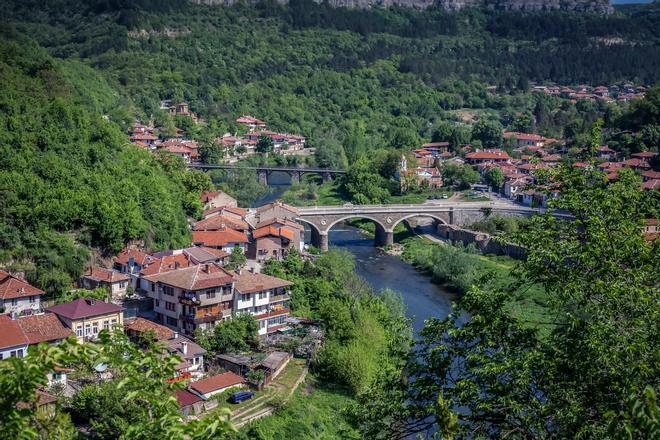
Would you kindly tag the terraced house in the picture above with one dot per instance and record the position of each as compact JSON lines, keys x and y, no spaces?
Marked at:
{"x":265,"y":297}
{"x":191,"y":298}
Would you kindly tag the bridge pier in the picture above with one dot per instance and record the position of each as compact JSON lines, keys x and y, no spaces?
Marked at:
{"x":263,"y":177}
{"x":295,"y":177}
{"x":327,"y":177}
{"x":320,"y":239}
{"x":383,"y":237}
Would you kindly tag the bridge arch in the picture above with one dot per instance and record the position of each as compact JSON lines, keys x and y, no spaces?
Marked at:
{"x":437,"y":217}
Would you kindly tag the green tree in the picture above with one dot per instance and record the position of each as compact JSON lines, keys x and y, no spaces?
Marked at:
{"x":489,"y":132}
{"x":460,"y":176}
{"x":329,"y":153}
{"x":507,"y":376}
{"x":364,"y":185}
{"x":236,"y":335}
{"x":264,"y":144}
{"x":236,"y":259}
{"x":495,"y":177}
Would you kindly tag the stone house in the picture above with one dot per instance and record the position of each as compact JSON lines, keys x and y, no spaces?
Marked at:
{"x":115,"y":282}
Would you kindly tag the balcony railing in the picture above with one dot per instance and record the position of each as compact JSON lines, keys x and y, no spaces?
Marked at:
{"x":189,"y":301}
{"x":278,"y":298}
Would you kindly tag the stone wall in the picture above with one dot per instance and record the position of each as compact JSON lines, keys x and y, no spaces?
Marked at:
{"x":484,"y":242}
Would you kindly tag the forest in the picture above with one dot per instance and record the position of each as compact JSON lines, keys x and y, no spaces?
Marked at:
{"x":70,"y":181}
{"x":331,"y":73}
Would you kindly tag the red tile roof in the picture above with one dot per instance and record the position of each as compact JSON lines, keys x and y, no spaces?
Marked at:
{"x":637,"y":163}
{"x":651,"y":174}
{"x":488,"y":154}
{"x":219,"y":222}
{"x":248,"y":282}
{"x":196,"y":277}
{"x":104,"y":275}
{"x":644,"y":154}
{"x":219,"y":238}
{"x":246,"y":119}
{"x":186,"y":398}
{"x":140,"y":257}
{"x":216,"y":382}
{"x":12,"y":287}
{"x":11,"y":334}
{"x":653,"y":184}
{"x":43,"y":328}
{"x":84,"y":308}
{"x":141,"y":325}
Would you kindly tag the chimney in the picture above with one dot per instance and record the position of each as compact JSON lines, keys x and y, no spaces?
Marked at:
{"x":13,"y":315}
{"x":206,"y":268}
{"x":176,"y":264}
{"x":184,"y":347}
{"x":90,"y":301}
{"x":175,"y":335}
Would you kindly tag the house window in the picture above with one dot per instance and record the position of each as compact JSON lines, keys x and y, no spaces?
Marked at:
{"x":156,"y":303}
{"x":106,"y":325}
{"x":114,"y":321}
{"x":169,"y":306}
{"x":172,"y":321}
{"x":167,"y":290}
{"x":95,"y":328}
{"x":88,"y":329}
{"x":16,"y":353}
{"x":262,"y":324}
{"x":79,"y":330}
{"x":210,"y":294}
{"x":14,"y":301}
{"x":245,"y":297}
{"x":122,"y":284}
{"x":153,"y":287}
{"x":33,"y":299}
{"x":263,"y":295}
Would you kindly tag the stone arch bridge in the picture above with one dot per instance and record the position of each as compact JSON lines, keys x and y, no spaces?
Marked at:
{"x":322,"y":218}
{"x":264,"y":172}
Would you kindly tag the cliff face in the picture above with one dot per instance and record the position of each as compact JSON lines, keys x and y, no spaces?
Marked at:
{"x":597,"y":6}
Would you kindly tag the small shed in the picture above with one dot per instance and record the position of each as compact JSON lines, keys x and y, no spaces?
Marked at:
{"x":190,"y":404}
{"x":273,"y":364}
{"x":207,"y":388}
{"x":237,"y":363}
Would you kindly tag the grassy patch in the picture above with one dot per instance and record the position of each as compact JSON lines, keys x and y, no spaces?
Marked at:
{"x":530,"y":303}
{"x":314,"y":411}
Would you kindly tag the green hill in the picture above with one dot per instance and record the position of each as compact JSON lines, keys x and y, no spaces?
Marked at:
{"x":68,"y":178}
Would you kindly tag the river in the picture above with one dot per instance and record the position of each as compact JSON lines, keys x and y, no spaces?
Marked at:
{"x":422,"y":298}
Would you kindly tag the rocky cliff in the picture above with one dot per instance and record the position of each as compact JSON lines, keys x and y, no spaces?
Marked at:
{"x":597,"y":6}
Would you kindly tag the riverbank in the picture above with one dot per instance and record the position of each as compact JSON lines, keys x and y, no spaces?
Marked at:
{"x":458,"y":267}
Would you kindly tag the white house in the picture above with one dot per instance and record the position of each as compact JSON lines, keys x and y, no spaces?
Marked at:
{"x":18,"y":296}
{"x":13,"y":342}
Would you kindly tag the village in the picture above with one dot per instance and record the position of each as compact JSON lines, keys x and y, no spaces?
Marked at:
{"x":176,"y":296}
{"x":173,"y":296}
{"x":234,"y":146}
{"x":612,"y":93}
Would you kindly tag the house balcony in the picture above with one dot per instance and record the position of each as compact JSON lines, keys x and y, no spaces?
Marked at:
{"x":272,"y":313}
{"x":204,"y":317}
{"x":279,"y":298}
{"x":189,"y":301}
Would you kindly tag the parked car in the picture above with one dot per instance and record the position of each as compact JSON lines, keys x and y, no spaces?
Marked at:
{"x":240,"y":396}
{"x":445,"y":196}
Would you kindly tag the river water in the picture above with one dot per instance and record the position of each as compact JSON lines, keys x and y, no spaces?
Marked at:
{"x":422,"y":298}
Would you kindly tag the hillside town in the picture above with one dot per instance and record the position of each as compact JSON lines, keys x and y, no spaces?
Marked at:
{"x":181,"y":294}
{"x":234,"y":146}
{"x":529,"y":153}
{"x":612,"y":93}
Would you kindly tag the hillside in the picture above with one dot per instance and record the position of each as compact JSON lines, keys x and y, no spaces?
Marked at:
{"x":69,"y":180}
{"x":597,"y":6}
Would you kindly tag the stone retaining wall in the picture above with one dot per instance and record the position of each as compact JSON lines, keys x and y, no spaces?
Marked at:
{"x":484,"y":242}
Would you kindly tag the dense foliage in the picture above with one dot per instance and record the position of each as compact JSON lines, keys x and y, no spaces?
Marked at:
{"x":365,"y":333}
{"x":137,"y":404}
{"x":236,"y":335}
{"x":69,"y":178}
{"x":596,"y":370}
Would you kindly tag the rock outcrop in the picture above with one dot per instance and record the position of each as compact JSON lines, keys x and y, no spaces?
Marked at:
{"x":597,"y":6}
